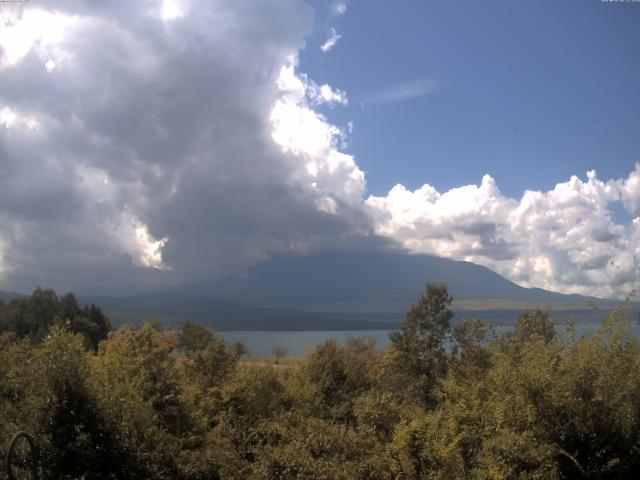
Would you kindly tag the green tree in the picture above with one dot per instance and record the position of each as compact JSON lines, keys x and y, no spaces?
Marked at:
{"x":297,"y":446}
{"x":101,"y":324}
{"x":332,"y":378}
{"x":68,"y":308}
{"x":34,"y":316}
{"x":212,"y":365}
{"x":419,"y":344}
{"x":471,"y":351}
{"x":50,"y":395}
{"x":142,"y":394}
{"x":193,"y":336}
{"x":531,"y":325}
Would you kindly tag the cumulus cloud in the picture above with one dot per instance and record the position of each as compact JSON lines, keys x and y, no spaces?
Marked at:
{"x":565,"y":239}
{"x":158,"y":143}
{"x":331,"y":41}
{"x":150,"y":144}
{"x":299,"y":88}
{"x":335,"y":178}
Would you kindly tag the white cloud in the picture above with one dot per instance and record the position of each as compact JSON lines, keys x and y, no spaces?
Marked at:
{"x":150,"y":250}
{"x":331,"y":41}
{"x":564,"y":240}
{"x":13,"y":121}
{"x":174,"y":143}
{"x":165,"y":149}
{"x":339,"y":8}
{"x":171,"y":10}
{"x":630,"y":191}
{"x":325,"y":94}
{"x":7,"y":117}
{"x":124,"y":229}
{"x":298,"y":87}
{"x":37,"y":30}
{"x":300,"y":130}
{"x":401,"y":92}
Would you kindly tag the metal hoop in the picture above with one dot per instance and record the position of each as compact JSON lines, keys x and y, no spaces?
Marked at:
{"x":11,"y":453}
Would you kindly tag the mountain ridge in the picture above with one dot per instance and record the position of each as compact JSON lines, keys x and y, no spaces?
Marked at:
{"x":339,"y":291}
{"x":338,"y":277}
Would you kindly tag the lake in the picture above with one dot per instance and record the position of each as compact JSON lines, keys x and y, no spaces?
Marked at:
{"x":261,"y":344}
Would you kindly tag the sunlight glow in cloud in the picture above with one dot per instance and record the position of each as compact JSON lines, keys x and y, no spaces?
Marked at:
{"x":36,"y":29}
{"x":7,"y":117}
{"x":171,"y":10}
{"x":123,"y":226}
{"x":149,"y":249}
{"x":11,"y":120}
{"x":299,"y":129}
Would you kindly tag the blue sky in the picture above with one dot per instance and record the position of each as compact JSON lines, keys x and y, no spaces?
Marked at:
{"x":530,"y":92}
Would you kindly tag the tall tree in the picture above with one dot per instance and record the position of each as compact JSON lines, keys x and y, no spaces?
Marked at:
{"x":531,"y":325}
{"x":193,"y":337}
{"x":419,"y":343}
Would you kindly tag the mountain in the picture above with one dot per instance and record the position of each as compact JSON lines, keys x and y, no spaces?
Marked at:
{"x":340,"y":291}
{"x":382,"y":287}
{"x":371,"y":278}
{"x":8,"y":296}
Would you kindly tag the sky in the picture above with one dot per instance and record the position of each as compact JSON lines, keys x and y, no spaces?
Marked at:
{"x":172,"y":142}
{"x":530,"y":92}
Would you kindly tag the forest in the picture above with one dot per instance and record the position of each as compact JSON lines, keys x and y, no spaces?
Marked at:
{"x":443,"y":401}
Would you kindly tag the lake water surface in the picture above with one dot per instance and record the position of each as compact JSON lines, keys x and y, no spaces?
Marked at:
{"x":261,"y":344}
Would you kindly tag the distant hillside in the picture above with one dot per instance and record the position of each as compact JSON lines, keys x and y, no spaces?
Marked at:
{"x":8,"y":296}
{"x":372,"y":278}
{"x":340,"y":291}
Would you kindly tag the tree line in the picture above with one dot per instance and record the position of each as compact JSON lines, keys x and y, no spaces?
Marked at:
{"x":33,"y":317}
{"x":440,"y":402}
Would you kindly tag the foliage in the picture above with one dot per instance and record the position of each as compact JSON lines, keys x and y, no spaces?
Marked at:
{"x":419,"y":344}
{"x":193,"y":337}
{"x":438,"y":403}
{"x":531,"y":325}
{"x":332,"y":378}
{"x":34,"y":316}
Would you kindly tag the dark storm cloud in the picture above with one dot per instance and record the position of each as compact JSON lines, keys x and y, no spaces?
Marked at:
{"x":156,"y":124}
